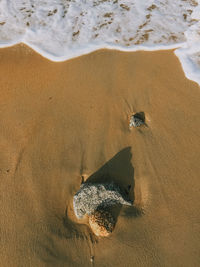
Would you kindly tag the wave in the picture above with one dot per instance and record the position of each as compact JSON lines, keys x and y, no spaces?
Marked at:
{"x":63,"y":29}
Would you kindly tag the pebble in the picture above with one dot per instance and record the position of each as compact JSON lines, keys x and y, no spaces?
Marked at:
{"x":136,"y":120}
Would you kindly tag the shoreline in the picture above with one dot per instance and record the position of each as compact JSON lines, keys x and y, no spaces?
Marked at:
{"x":178,"y":49}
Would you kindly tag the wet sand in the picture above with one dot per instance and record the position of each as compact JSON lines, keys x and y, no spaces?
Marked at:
{"x":61,"y":123}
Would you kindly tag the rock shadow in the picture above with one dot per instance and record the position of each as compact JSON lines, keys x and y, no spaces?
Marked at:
{"x":118,"y":170}
{"x":140,"y":115}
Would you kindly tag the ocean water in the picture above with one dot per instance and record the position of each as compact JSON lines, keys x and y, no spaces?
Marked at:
{"x":63,"y":29}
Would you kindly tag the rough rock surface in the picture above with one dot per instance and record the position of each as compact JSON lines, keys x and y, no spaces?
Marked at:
{"x":92,"y":197}
{"x":136,"y":121}
{"x":102,"y":222}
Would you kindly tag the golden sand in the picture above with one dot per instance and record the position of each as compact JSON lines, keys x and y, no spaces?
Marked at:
{"x":61,"y":123}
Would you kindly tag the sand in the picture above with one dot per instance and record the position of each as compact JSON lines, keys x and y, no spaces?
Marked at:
{"x":61,"y":123}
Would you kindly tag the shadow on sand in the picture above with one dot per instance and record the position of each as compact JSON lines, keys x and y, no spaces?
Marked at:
{"x":118,"y":170}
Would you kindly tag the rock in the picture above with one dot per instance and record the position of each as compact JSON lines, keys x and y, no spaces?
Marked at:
{"x":97,"y":201}
{"x":91,"y":197}
{"x":92,"y":258}
{"x":137,"y":120}
{"x":102,"y":223}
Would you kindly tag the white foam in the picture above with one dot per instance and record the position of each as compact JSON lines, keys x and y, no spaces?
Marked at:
{"x":63,"y":29}
{"x":189,"y":54}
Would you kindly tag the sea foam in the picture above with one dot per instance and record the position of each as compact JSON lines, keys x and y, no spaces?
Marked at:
{"x":63,"y":29}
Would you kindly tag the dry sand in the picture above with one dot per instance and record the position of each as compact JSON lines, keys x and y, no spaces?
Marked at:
{"x":60,"y":122}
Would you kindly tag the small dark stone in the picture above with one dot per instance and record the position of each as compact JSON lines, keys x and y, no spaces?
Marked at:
{"x":137,"y":120}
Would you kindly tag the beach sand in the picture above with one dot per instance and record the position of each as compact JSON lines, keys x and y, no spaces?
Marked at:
{"x":61,"y":123}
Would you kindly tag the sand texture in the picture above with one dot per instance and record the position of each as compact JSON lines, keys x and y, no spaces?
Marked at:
{"x":64,"y":123}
